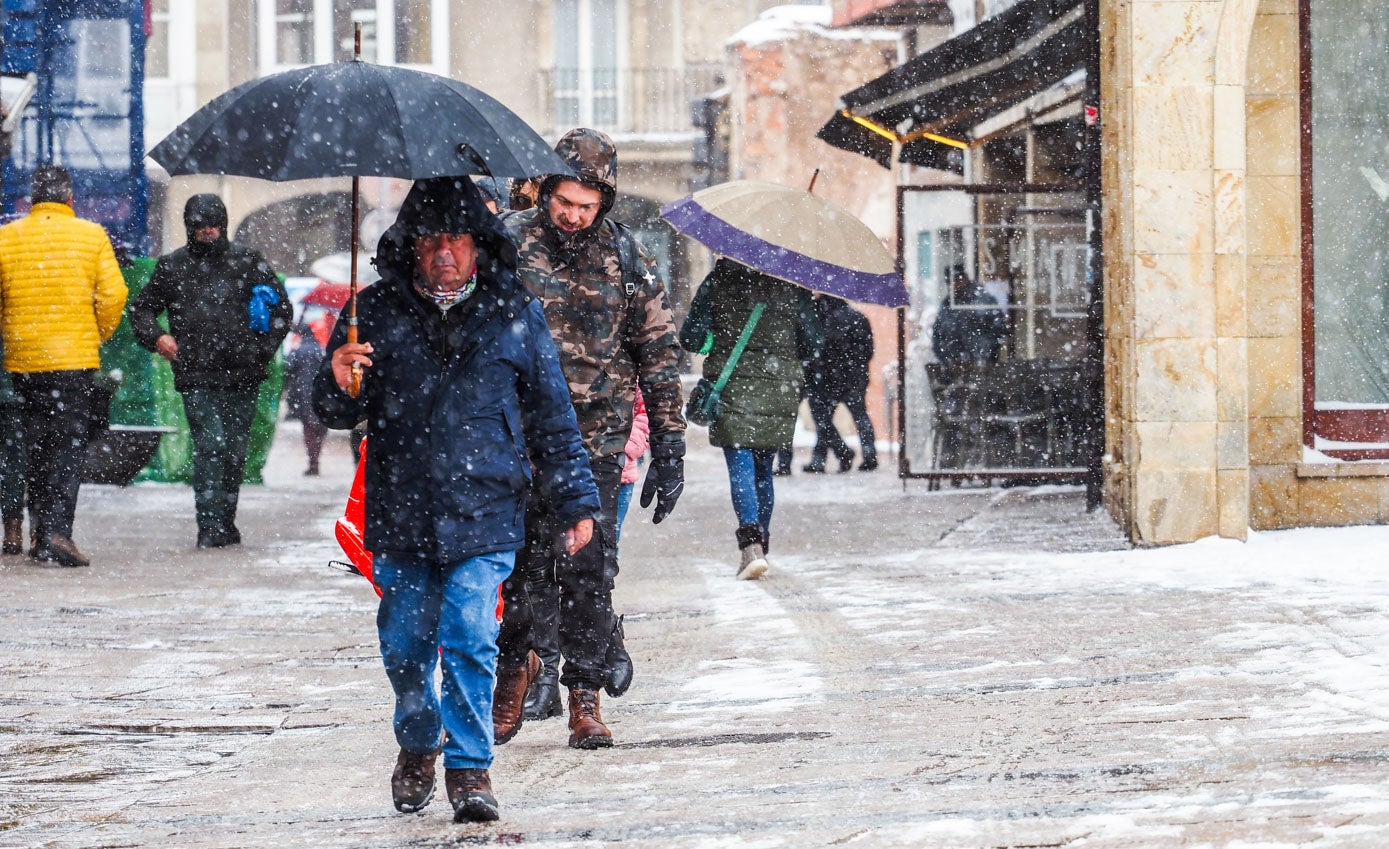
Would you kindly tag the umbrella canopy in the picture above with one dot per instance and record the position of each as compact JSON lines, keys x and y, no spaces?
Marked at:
{"x":355,"y":119}
{"x":793,"y":235}
{"x":338,"y":268}
{"x":326,"y":294}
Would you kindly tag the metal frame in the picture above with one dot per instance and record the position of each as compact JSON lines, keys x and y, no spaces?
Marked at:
{"x":32,"y":43}
{"x":1069,"y":473}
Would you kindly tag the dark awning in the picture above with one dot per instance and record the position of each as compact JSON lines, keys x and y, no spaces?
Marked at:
{"x":953,"y":87}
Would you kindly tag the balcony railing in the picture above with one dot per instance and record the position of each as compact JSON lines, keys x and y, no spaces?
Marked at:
{"x":645,"y":101}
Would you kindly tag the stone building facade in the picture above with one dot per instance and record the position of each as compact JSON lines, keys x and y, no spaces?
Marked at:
{"x":1214,"y":427}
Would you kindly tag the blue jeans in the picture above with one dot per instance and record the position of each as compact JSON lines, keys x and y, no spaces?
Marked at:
{"x":431,"y":609}
{"x":624,"y":500}
{"x":750,"y":481}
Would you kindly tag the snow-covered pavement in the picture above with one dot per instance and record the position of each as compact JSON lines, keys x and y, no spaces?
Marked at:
{"x":965,"y":668}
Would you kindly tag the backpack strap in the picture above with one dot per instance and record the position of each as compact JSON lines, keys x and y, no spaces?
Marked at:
{"x":633,"y":273}
{"x":629,"y":258}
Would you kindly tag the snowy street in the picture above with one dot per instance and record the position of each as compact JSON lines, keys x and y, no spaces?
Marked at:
{"x":963,"y":668}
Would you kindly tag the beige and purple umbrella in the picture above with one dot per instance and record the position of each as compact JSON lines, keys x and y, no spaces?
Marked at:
{"x":793,"y":235}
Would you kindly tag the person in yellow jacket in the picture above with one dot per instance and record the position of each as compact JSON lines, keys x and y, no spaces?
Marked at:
{"x":61,"y":296}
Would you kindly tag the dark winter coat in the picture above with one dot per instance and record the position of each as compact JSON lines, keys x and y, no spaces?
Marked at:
{"x":763,"y":393}
{"x":206,"y":291}
{"x":973,"y":335}
{"x":840,"y":372}
{"x":301,"y":367}
{"x":460,"y":404}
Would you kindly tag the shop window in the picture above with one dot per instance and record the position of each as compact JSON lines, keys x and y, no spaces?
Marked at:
{"x":1345,"y":94}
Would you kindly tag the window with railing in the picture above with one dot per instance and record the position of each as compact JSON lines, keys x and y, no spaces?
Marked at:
{"x":626,"y":100}
{"x":584,"y":83}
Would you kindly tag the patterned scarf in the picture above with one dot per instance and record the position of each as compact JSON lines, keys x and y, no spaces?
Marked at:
{"x":448,"y":300}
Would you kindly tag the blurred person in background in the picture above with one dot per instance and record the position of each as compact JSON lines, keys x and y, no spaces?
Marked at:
{"x":11,"y":464}
{"x":228,"y":314}
{"x":301,"y":366}
{"x":839,"y":375}
{"x":61,"y":296}
{"x":760,"y":399}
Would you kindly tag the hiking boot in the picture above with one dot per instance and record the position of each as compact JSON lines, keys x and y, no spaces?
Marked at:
{"x":412,"y":781}
{"x":14,"y":537}
{"x":754,"y":554}
{"x":470,"y":793}
{"x":60,"y":550}
{"x":542,"y":699}
{"x":509,"y":697}
{"x":586,"y":728}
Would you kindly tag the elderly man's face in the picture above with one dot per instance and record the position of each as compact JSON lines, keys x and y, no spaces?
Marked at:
{"x":574,"y":206}
{"x":445,"y":261}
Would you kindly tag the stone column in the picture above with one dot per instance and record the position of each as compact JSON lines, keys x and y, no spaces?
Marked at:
{"x":1173,"y":422}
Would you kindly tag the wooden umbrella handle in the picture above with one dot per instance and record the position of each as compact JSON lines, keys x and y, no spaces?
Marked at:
{"x":354,"y":386}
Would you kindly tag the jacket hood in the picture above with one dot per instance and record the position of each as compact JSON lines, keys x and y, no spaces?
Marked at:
{"x":205,"y":210}
{"x":592,"y":156}
{"x":445,"y":205}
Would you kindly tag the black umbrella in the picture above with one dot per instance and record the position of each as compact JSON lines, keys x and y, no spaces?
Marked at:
{"x":355,"y":119}
{"x":359,"y":120}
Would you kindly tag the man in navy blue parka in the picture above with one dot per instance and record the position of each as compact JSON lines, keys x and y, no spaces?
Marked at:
{"x":462,"y":395}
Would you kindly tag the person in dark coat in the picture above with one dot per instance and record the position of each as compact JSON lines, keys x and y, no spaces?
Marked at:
{"x":759,"y":402}
{"x":301,"y":367}
{"x":11,"y":465}
{"x":463,"y":396}
{"x":970,"y":326}
{"x":839,"y":375}
{"x":228,"y":314}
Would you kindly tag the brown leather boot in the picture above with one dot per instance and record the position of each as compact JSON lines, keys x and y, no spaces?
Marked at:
{"x":470,"y":793}
{"x":586,"y":728}
{"x":60,"y":550}
{"x":14,"y":537}
{"x":412,"y":781}
{"x":509,"y":697}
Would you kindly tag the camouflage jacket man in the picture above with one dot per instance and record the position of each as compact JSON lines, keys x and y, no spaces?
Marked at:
{"x":609,"y":340}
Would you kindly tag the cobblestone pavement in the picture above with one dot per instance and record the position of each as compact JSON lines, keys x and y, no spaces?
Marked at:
{"x":964,"y":668}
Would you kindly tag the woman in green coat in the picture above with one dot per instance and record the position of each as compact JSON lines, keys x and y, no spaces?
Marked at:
{"x":758,"y":404}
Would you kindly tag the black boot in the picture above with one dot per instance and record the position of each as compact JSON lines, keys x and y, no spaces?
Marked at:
{"x":542,"y":700}
{"x":846,"y":459}
{"x":618,"y":662}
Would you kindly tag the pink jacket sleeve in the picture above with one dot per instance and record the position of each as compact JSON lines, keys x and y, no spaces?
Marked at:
{"x":637,"y":441}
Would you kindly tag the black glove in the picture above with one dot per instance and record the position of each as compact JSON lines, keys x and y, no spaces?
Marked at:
{"x":665,"y":480}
